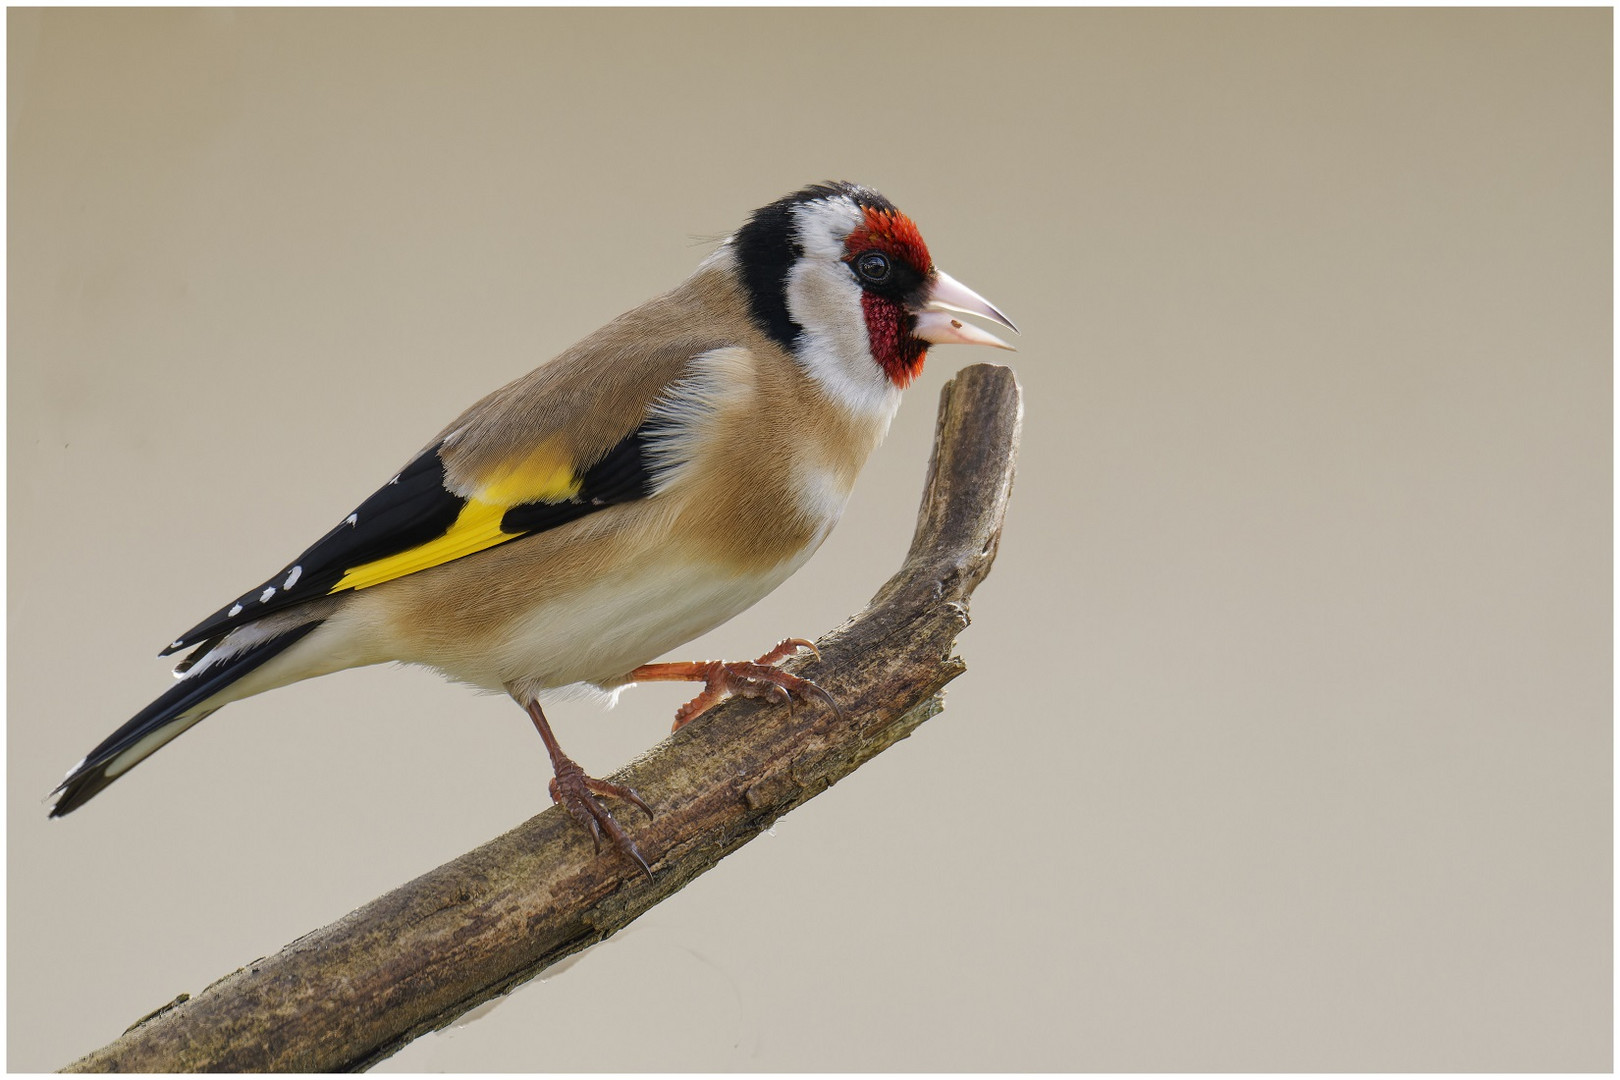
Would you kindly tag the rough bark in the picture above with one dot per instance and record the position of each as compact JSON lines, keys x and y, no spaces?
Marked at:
{"x":352,"y":993}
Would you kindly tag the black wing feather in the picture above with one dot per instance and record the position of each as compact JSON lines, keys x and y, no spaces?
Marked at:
{"x":90,"y":775}
{"x":411,"y":509}
{"x":415,"y":508}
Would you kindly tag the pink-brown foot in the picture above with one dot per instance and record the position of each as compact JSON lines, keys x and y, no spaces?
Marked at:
{"x":759,"y":678}
{"x":578,"y":795}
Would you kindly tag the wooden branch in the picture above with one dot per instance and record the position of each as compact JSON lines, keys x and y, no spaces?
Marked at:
{"x":349,"y":995}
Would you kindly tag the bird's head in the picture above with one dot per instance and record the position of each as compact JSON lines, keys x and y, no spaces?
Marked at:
{"x":842,"y":279}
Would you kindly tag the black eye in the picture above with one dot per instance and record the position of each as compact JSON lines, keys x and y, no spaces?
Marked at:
{"x":873,"y":267}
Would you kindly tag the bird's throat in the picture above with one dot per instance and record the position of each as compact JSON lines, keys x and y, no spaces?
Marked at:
{"x":888,"y":330}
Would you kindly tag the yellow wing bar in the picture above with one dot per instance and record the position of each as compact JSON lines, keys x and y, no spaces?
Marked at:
{"x":478,"y":527}
{"x":541,"y":477}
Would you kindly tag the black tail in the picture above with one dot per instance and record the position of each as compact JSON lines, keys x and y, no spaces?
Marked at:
{"x":152,"y":727}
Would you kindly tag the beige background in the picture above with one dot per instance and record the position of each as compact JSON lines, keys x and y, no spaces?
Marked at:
{"x":1285,"y":742}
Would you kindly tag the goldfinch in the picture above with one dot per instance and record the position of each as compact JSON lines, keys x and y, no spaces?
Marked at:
{"x":639,"y":489}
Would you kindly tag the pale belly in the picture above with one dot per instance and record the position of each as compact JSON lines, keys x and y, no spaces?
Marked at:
{"x":601,"y":633}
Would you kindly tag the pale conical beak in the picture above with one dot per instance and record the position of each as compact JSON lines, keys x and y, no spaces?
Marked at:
{"x":936,"y":326}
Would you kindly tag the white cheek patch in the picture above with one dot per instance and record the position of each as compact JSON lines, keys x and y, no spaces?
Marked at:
{"x":826,"y":301}
{"x":823,"y":297}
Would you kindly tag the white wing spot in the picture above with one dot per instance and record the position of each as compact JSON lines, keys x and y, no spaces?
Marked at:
{"x":352,"y":519}
{"x":177,"y":644}
{"x":236,"y":609}
{"x":292,"y":577}
{"x":265,"y":596}
{"x":395,"y":480}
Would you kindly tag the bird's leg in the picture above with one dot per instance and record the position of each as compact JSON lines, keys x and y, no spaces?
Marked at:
{"x":577,"y":793}
{"x":749,"y":678}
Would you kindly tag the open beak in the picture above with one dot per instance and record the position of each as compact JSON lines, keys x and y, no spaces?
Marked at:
{"x":936,"y":325}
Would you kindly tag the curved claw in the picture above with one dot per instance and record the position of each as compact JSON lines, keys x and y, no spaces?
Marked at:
{"x":628,"y":846}
{"x":801,"y":643}
{"x":787,"y":648}
{"x":589,"y":821}
{"x":825,"y":698}
{"x":631,"y":851}
{"x":629,"y":795}
{"x":781,"y":687}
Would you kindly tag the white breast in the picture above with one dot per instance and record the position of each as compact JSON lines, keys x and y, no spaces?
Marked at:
{"x":822,"y":496}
